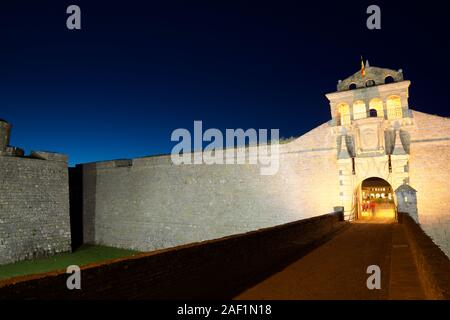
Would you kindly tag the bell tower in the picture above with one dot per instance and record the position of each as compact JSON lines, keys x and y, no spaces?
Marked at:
{"x":370,"y":120}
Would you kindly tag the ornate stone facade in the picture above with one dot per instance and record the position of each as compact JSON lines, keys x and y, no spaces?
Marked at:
{"x":369,"y":139}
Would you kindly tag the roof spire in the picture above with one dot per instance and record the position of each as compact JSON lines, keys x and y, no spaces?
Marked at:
{"x":367,"y":63}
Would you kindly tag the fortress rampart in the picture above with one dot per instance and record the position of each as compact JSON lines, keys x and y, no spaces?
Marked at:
{"x":34,"y":205}
{"x":149,"y":203}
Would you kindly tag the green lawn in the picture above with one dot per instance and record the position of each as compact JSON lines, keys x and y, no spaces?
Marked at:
{"x":82,"y":256}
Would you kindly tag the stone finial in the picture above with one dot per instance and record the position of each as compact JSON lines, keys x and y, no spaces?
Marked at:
{"x":398,"y":146}
{"x":342,"y":145}
{"x":350,"y":143}
{"x":367,"y":63}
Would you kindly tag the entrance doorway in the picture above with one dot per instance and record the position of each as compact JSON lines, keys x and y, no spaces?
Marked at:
{"x":376,"y":200}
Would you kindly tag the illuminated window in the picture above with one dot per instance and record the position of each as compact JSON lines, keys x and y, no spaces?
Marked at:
{"x":344,"y":114}
{"x":359,"y":110}
{"x":394,"y":107}
{"x":377,"y":104}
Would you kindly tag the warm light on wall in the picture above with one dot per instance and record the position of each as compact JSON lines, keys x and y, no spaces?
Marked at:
{"x":377,"y":104}
{"x":394,"y":107}
{"x":359,"y":110}
{"x":344,"y":113}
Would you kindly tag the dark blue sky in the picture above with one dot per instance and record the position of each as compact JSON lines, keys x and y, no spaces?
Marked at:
{"x":140,"y":69}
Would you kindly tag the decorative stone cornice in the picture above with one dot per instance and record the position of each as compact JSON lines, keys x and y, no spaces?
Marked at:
{"x":375,"y":91}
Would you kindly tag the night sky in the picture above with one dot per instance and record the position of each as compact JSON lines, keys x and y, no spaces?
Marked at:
{"x":140,"y":69}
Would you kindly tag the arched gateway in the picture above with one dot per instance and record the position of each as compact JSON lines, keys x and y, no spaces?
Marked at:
{"x":376,"y":200}
{"x":373,"y":143}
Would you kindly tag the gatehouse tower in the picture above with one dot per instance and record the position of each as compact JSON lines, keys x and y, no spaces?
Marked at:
{"x":370,"y":121}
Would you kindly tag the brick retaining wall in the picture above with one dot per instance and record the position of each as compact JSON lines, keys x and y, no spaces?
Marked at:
{"x":212,"y":269}
{"x":432,"y":263}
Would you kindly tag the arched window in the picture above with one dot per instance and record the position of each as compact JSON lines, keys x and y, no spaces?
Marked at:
{"x":394,"y":107}
{"x":389,"y":79}
{"x":352,"y":86}
{"x":370,"y":83}
{"x":373,"y":113}
{"x":344,"y":114}
{"x":359,"y":110}
{"x":377,"y":104}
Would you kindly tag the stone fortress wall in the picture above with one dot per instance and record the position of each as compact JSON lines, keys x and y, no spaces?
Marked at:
{"x":429,"y":171}
{"x":149,"y":203}
{"x":34,"y":203}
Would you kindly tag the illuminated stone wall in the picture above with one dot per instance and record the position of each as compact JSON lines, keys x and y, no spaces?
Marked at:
{"x":149,"y":203}
{"x":430,"y":175}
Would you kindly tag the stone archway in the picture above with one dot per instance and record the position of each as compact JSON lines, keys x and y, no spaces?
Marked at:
{"x":376,"y":199}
